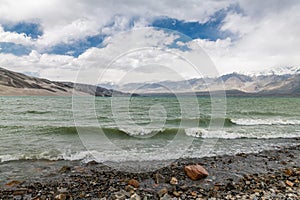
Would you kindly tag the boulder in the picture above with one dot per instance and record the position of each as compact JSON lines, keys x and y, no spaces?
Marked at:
{"x":195,"y":172}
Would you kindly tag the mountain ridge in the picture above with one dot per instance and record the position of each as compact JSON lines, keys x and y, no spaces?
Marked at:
{"x":18,"y":84}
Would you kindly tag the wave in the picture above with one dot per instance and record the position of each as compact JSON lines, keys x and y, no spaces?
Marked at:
{"x":53,"y":155}
{"x":87,"y":156}
{"x":253,"y":122}
{"x":202,"y":121}
{"x":212,"y":134}
{"x":170,"y":133}
{"x":261,"y":113}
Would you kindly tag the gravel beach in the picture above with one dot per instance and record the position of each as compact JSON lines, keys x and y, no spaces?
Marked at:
{"x":273,"y":174}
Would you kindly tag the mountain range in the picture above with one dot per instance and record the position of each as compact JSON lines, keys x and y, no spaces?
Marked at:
{"x":235,"y":84}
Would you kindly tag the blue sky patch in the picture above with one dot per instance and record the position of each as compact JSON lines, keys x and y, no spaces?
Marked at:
{"x":78,"y":47}
{"x":12,"y":48}
{"x":32,"y":30}
{"x":209,"y":30}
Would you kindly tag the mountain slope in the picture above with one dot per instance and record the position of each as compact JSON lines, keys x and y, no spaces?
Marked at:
{"x":17,"y":84}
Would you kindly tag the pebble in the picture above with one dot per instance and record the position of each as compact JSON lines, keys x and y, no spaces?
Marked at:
{"x":135,"y":197}
{"x":134,"y":183}
{"x":173,"y":181}
{"x":289,"y":183}
{"x":166,"y":197}
{"x":60,"y":197}
{"x":162,"y":192}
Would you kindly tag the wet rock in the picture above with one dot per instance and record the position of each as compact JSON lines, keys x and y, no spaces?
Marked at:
{"x":78,"y":169}
{"x":13,"y":183}
{"x":93,"y":162}
{"x":65,"y":169}
{"x":20,"y":191}
{"x":173,"y":181}
{"x":195,"y":172}
{"x":134,"y":183}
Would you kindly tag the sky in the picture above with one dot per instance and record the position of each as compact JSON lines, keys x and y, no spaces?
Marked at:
{"x":122,"y":41}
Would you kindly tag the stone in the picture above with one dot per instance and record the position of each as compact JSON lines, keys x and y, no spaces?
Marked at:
{"x":65,"y":169}
{"x":162,"y":192}
{"x":166,"y":197}
{"x":289,"y":183}
{"x":135,"y":197}
{"x":79,"y":169}
{"x":289,"y":172}
{"x":129,"y":188}
{"x":195,"y":172}
{"x":60,"y":197}
{"x":20,"y":192}
{"x":121,"y":195}
{"x":62,"y":190}
{"x":173,"y":181}
{"x":13,"y":183}
{"x":134,"y":183}
{"x":93,"y":162}
{"x":193,"y":194}
{"x":176,"y":194}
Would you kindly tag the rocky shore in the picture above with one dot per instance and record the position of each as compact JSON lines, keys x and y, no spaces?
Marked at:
{"x":273,"y":174}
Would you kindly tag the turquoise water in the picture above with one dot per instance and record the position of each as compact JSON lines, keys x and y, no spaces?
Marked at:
{"x":43,"y":128}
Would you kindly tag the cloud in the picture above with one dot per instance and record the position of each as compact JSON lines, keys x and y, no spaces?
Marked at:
{"x":13,"y":37}
{"x":247,"y":36}
{"x":65,"y":21}
{"x":270,"y":41}
{"x":55,"y":67}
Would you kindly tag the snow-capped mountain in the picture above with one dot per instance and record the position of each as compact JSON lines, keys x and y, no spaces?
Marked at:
{"x":276,"y":71}
{"x":280,"y":81}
